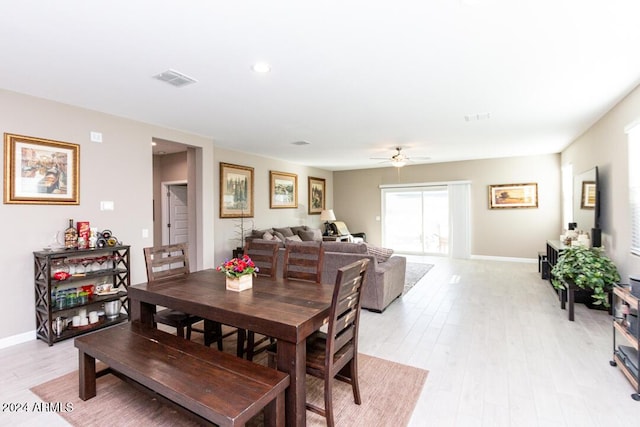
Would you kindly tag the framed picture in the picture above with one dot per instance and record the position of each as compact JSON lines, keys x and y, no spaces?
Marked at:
{"x":284,"y":190}
{"x":236,"y":191}
{"x":588,"y":199}
{"x":41,"y":171}
{"x":316,"y":195}
{"x":513,"y":196}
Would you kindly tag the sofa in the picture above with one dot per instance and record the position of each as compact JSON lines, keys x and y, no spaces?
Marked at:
{"x":385,"y":274}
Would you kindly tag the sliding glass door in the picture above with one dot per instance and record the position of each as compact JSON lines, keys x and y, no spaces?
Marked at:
{"x":416,"y":220}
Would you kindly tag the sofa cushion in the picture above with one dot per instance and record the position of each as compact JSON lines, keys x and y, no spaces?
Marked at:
{"x":292,"y":239}
{"x":381,"y":254}
{"x":285,"y":231}
{"x":298,"y":229}
{"x":268,"y":236}
{"x":310,"y":235}
{"x":257,"y":234}
{"x":345,"y":247}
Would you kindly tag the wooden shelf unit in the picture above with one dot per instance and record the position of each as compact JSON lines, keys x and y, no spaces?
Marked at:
{"x":621,"y":293}
{"x":46,"y":287}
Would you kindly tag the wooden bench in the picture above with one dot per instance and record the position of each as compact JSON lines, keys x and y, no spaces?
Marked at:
{"x":215,"y":386}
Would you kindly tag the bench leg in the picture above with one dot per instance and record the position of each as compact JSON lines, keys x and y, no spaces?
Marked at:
{"x":86,"y":376}
{"x":274,"y":412}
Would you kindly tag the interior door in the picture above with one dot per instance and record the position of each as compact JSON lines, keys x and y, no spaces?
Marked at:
{"x":177,"y":221}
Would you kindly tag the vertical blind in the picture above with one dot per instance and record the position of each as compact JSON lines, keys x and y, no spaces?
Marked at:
{"x":633,"y":132}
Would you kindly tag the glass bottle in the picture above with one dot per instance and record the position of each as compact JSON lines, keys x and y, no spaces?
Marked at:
{"x":71,"y":236}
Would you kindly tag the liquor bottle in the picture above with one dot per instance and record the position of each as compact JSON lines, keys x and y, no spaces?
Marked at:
{"x":71,"y":236}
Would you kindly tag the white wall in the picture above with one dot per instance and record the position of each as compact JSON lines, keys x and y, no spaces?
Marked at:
{"x":605,"y":145}
{"x":510,"y":233}
{"x":118,"y":169}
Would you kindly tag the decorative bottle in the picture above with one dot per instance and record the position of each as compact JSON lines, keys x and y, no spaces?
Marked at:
{"x":71,"y":236}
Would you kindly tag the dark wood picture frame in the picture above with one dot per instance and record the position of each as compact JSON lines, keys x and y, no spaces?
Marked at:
{"x":317,"y":195}
{"x":236,"y":191}
{"x":40,"y":171}
{"x":283,"y":190}
{"x":510,"y":196}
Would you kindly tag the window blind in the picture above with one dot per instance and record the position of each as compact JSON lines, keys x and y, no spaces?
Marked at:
{"x":633,"y":132}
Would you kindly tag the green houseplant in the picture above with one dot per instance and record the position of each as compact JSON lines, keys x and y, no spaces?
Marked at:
{"x":587,"y":268}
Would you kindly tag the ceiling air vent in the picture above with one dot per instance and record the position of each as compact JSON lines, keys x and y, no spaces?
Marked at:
{"x":175,"y":78}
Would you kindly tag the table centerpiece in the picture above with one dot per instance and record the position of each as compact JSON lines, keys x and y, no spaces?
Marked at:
{"x":239,"y":273}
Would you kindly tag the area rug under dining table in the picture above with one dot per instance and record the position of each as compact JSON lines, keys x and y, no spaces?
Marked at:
{"x":389,"y":393}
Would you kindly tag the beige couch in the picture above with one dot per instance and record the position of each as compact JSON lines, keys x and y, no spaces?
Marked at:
{"x":385,"y":275}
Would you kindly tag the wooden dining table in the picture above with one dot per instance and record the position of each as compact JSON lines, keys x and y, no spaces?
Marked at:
{"x":288,"y":310}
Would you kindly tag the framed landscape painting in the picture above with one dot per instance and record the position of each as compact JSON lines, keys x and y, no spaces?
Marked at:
{"x":316,"y":195}
{"x":40,"y":171}
{"x":588,"y":195}
{"x":236,"y":191}
{"x":513,"y":196}
{"x":283,"y":190}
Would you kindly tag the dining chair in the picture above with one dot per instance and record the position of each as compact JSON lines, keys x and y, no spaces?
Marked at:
{"x":172,"y":262}
{"x":334,"y":354}
{"x":264,"y":254}
{"x":303,"y":261}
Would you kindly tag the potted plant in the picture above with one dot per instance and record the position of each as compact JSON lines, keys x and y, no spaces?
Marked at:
{"x":587,"y":268}
{"x":239,"y":272}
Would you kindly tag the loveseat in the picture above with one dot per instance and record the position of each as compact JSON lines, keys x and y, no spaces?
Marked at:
{"x":385,"y":273}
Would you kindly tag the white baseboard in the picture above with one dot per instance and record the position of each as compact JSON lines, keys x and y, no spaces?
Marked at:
{"x":17,"y":339}
{"x":506,"y":259}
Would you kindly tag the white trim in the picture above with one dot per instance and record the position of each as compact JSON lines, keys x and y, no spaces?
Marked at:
{"x":17,"y":339}
{"x":422,"y":184}
{"x":505,"y":259}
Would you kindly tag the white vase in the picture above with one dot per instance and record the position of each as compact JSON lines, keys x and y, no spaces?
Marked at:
{"x":241,"y":283}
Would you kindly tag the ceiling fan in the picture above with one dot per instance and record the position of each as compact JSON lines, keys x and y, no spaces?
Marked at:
{"x":399,"y":160}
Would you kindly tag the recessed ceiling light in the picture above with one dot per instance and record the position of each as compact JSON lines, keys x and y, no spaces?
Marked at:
{"x":301,"y":143}
{"x":261,"y":67}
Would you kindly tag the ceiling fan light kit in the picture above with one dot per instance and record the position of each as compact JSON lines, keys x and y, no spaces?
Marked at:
{"x":399,"y":160}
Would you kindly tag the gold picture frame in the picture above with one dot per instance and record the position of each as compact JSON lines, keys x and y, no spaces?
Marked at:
{"x":40,"y":171}
{"x":317,"y":195}
{"x":509,"y":196}
{"x":283,"y":193}
{"x":236,"y":191}
{"x":588,"y":199}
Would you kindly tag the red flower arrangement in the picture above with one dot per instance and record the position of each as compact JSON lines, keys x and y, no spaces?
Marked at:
{"x":238,"y":267}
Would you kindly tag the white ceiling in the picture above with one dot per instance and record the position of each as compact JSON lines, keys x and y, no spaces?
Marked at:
{"x":353,"y":78}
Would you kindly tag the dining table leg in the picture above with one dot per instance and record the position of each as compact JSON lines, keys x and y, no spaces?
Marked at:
{"x":292,"y":360}
{"x":142,"y":312}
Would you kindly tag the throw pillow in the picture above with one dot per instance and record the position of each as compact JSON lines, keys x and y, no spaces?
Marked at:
{"x":381,"y":254}
{"x":293,"y":239}
{"x":279,"y":235}
{"x":310,"y":235}
{"x":286,"y":231}
{"x":269,"y":236}
{"x":298,"y":229}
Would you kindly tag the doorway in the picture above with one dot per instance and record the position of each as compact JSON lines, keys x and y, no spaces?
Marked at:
{"x":175,"y":213}
{"x":416,"y":220}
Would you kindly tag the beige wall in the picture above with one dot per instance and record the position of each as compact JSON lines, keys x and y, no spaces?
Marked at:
{"x":605,"y":145}
{"x":119,"y":169}
{"x":518,"y":233}
{"x":227,"y":230}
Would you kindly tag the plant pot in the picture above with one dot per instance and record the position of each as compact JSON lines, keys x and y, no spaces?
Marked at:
{"x":241,"y":283}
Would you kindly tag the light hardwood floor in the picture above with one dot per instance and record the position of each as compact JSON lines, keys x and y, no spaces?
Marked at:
{"x":499,"y":350}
